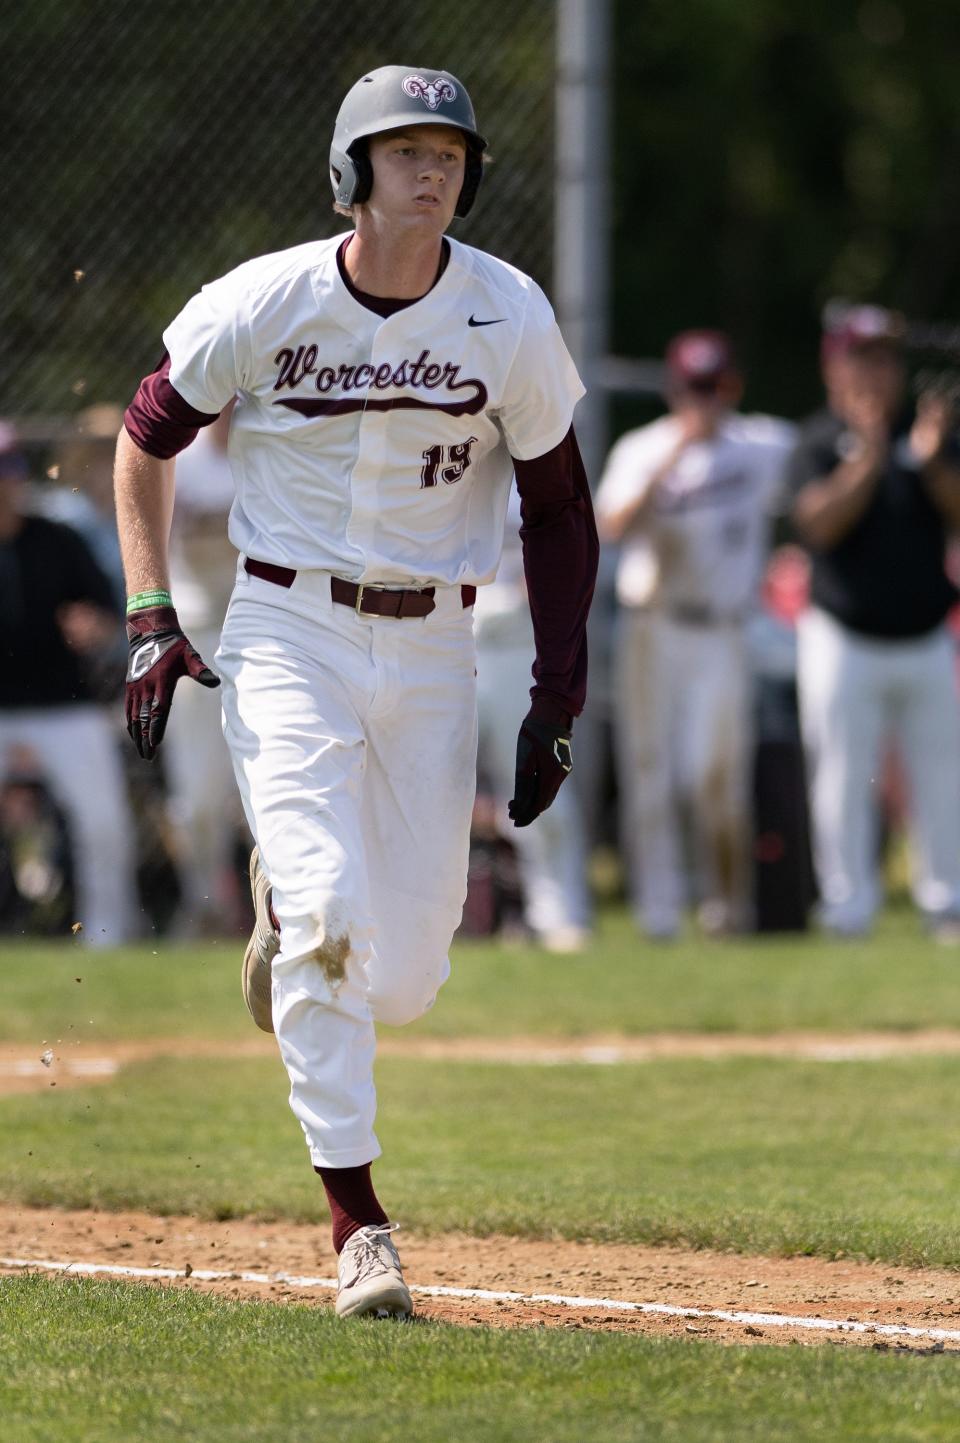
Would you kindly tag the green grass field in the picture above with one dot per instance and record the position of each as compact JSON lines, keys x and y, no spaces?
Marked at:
{"x":745,"y":1154}
{"x":859,"y":1158}
{"x":102,"y":1363}
{"x":897,"y":980}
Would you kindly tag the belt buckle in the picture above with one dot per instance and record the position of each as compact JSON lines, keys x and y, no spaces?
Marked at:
{"x":358,"y":604}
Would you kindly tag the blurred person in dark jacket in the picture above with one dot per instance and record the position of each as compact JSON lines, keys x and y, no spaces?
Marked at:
{"x":55,"y":605}
{"x":876,"y":496}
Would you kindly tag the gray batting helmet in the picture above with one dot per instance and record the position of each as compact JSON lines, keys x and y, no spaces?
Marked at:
{"x":387,"y":99}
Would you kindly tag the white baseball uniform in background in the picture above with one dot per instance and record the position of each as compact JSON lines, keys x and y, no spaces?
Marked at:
{"x":687,"y":578}
{"x":377,"y":450}
{"x":201,"y":787}
{"x":858,"y":693}
{"x":551,"y":852}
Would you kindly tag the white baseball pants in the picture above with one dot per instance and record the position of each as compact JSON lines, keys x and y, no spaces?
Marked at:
{"x":551,"y":852}
{"x":684,"y":749}
{"x":77,"y":753}
{"x":354,"y":742}
{"x":856,"y":693}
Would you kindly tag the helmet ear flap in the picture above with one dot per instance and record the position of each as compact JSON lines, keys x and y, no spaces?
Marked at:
{"x":351,"y":174}
{"x":360,"y":156}
{"x":472,"y":176}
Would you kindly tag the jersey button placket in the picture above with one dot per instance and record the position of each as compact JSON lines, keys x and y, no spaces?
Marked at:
{"x":380,"y":464}
{"x":363,"y":477}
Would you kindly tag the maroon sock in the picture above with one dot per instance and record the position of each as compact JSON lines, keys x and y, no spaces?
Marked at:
{"x":353,"y":1202}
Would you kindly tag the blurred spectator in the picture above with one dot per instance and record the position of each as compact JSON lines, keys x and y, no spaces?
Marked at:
{"x":204,"y":801}
{"x":689,"y":496}
{"x":551,"y":852}
{"x":877,"y":493}
{"x":36,"y":881}
{"x":55,"y":606}
{"x":79,"y":492}
{"x":594,"y":776}
{"x":784,"y":889}
{"x":82,"y":495}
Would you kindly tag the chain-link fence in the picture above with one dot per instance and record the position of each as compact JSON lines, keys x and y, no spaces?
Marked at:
{"x":151,"y":148}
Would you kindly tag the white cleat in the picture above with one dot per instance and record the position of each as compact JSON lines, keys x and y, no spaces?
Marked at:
{"x":369,"y":1276}
{"x":263,"y":946}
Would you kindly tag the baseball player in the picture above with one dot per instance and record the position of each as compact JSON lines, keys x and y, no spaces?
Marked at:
{"x":389,"y":383}
{"x":689,"y":497}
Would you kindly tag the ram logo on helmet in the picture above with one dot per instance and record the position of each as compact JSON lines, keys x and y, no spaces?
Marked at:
{"x":431,"y":92}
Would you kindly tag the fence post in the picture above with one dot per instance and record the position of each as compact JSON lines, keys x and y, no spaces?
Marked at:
{"x":582,"y":206}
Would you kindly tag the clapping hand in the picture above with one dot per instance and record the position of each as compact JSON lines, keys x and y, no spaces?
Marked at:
{"x":932,"y":426}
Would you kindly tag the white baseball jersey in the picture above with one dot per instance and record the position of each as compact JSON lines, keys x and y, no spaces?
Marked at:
{"x":377,"y":449}
{"x":704,"y":540}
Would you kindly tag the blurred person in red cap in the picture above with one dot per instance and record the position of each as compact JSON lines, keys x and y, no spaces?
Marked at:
{"x":876,"y":495}
{"x":688,"y":498}
{"x":55,"y":605}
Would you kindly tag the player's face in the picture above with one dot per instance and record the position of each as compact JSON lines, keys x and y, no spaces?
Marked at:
{"x":417,"y":176}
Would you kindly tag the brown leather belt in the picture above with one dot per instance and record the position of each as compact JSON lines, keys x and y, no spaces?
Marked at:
{"x":366,"y":600}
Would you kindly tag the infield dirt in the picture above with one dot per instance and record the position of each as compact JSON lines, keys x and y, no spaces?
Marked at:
{"x":799,"y":1287}
{"x":69,"y":1062}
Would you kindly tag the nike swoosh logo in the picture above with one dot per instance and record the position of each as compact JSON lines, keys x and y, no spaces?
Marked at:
{"x":474,"y":322}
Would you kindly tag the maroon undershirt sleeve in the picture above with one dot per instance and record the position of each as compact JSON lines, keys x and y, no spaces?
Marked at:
{"x":159,"y":420}
{"x":560,"y":556}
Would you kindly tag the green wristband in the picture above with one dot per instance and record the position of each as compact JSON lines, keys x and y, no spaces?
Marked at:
{"x":143,"y":599}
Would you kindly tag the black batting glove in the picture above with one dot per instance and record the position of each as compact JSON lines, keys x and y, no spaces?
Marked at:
{"x":544,"y":759}
{"x":160,"y":655}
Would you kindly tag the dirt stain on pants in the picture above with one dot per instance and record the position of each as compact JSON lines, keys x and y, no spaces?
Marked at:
{"x":331,"y":956}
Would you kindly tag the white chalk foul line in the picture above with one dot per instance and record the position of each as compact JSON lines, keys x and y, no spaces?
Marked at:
{"x":487,"y":1295}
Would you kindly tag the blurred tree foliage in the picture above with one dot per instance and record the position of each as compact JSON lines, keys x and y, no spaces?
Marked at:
{"x":770,"y":154}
